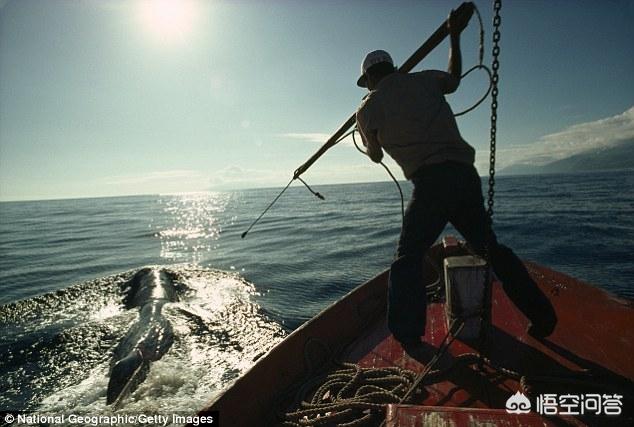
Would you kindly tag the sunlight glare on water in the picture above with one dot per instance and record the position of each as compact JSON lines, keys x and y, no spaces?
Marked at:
{"x":107,"y":311}
{"x":63,"y":314}
{"x":191,"y":225}
{"x":218,"y":333}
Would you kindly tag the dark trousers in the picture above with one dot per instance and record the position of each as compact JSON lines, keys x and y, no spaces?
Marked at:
{"x":451,"y":192}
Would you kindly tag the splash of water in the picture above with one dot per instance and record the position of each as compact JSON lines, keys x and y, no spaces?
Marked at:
{"x":59,"y":345}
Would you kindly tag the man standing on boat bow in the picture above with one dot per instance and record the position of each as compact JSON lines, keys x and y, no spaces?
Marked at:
{"x":407,"y":116}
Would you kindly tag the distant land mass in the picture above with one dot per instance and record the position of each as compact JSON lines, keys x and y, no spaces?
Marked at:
{"x":620,"y":156}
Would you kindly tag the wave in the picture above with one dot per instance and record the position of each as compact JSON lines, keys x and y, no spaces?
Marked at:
{"x":58,"y":346}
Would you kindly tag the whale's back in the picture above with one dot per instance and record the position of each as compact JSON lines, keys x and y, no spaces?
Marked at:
{"x":147,"y":285}
{"x":149,"y":338}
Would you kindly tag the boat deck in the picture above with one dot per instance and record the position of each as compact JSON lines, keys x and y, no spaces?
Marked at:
{"x":585,"y":355}
{"x":590,"y":353}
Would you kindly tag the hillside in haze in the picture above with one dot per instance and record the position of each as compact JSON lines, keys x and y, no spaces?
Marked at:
{"x":620,"y":156}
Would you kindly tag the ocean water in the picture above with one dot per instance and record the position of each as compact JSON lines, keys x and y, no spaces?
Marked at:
{"x":64,"y":265}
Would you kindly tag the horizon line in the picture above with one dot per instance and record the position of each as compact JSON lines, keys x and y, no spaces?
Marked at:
{"x":269,"y":187}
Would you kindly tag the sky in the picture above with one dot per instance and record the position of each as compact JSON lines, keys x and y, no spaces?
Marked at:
{"x":108,"y":97}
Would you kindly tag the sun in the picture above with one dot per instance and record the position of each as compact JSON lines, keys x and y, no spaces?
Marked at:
{"x":169,"y":21}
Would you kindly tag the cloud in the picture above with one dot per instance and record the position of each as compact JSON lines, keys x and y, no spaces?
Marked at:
{"x":572,"y":140}
{"x":308,"y":137}
{"x":234,"y":177}
{"x":161,"y":182}
{"x":585,"y":136}
{"x":316,"y":137}
{"x":155,"y":177}
{"x":362,"y":170}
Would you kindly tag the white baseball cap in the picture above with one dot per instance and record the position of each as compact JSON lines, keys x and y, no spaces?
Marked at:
{"x":373,"y":58}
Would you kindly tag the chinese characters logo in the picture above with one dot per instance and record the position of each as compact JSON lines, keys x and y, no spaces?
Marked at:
{"x":518,"y":404}
{"x":567,"y":404}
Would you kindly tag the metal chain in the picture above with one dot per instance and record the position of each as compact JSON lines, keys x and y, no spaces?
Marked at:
{"x":486,"y":316}
{"x":497,"y":5}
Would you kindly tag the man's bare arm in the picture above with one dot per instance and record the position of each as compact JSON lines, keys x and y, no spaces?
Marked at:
{"x":455,"y":27}
{"x":371,"y":141}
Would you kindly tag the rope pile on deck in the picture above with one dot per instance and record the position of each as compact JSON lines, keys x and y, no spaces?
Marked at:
{"x":353,"y":396}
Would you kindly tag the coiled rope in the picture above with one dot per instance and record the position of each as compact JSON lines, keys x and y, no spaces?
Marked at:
{"x":354,"y":396}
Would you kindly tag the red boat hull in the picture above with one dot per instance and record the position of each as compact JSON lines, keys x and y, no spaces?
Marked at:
{"x":590,"y":352}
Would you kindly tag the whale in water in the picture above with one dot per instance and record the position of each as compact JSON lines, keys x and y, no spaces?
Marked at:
{"x":149,"y":338}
